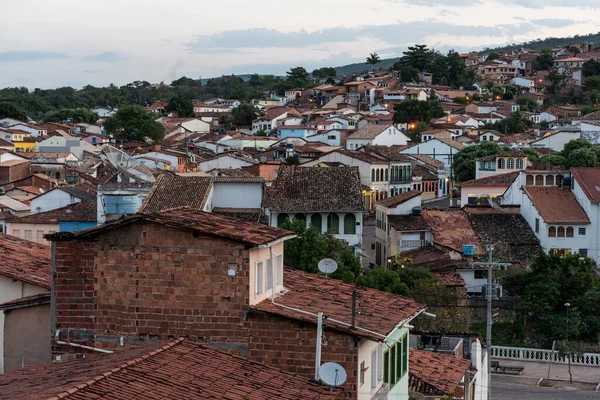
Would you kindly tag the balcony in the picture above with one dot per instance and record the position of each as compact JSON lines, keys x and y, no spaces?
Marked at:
{"x":401,"y":181}
{"x":487,"y":169}
{"x":412,"y":244}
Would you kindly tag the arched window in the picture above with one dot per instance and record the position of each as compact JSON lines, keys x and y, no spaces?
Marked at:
{"x":377,"y":176}
{"x":386,"y":175}
{"x":333,"y":223}
{"x":539,"y":180}
{"x":552,"y":232}
{"x":529,"y":181}
{"x":281,"y":219}
{"x":317,"y":222}
{"x":301,"y":217}
{"x":349,"y":224}
{"x":519,"y":163}
{"x":510,"y":164}
{"x":372,"y":175}
{"x":381,"y":174}
{"x":561,"y":231}
{"x":570,"y":231}
{"x":501,"y":163}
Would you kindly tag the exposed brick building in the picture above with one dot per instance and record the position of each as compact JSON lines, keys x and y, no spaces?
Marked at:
{"x":216,"y":280}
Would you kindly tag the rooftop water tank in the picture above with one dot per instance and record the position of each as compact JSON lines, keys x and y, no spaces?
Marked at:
{"x":469,"y":249}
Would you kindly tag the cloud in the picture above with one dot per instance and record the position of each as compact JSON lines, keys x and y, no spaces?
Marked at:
{"x":409,"y":32}
{"x":107,"y":56}
{"x":29,"y":55}
{"x":554,"y":22}
{"x":537,"y":4}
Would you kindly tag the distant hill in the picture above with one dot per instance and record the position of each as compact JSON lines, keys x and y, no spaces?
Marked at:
{"x":540,"y":44}
{"x":357,"y":68}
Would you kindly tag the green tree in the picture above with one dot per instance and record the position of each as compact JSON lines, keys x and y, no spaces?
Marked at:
{"x":584,"y":157}
{"x":532,"y":155}
{"x":185,"y":81}
{"x":515,"y":123}
{"x":592,"y":83}
{"x":574,"y":49}
{"x":76,"y":115}
{"x":544,"y":61}
{"x":297,"y":77}
{"x":373,"y":60}
{"x":244,"y":114}
{"x":310,"y":246}
{"x":383,"y":279}
{"x":182,"y":106}
{"x":134,"y":123}
{"x":464,"y":161}
{"x":9,"y":110}
{"x":573,"y":145}
{"x":414,"y":110}
{"x":407,"y":73}
{"x":493,"y":56}
{"x":591,"y":68}
{"x":324,"y":72}
{"x":419,"y":57}
{"x":558,"y":80}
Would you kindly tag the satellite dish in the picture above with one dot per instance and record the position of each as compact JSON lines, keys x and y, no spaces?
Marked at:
{"x":332,"y":374}
{"x":327,"y":266}
{"x":127,"y":165}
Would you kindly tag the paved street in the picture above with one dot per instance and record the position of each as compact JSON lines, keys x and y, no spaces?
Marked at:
{"x":513,"y":391}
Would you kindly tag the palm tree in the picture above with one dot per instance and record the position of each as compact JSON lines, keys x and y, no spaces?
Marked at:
{"x":373,"y":59}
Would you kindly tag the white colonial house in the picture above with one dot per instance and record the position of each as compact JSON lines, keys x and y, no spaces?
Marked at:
{"x":376,"y":135}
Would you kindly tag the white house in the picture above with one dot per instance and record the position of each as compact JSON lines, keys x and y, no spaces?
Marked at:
{"x":378,"y":135}
{"x":437,"y":148}
{"x":59,"y":197}
{"x":558,"y":220}
{"x":33,"y":130}
{"x":272,"y":119}
{"x":510,"y":161}
{"x":105,"y":112}
{"x":328,"y":199}
{"x":556,"y":140}
{"x":585,"y":184}
{"x":334,"y":137}
{"x":225,"y":160}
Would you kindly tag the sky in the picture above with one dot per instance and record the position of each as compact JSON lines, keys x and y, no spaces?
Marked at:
{"x":48,"y":44}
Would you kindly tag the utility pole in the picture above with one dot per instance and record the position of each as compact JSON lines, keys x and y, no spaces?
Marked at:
{"x":488,"y":339}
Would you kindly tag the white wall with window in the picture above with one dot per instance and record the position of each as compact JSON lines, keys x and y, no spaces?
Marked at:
{"x":265,"y":272}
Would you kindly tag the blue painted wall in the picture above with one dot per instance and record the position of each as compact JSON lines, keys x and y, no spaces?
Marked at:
{"x":76,"y":226}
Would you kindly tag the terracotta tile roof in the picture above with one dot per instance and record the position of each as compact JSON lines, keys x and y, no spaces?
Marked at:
{"x":408,"y":223}
{"x":428,"y":160}
{"x":25,"y":261}
{"x":303,"y":189}
{"x":83,"y":192}
{"x":502,"y":180}
{"x":386,"y":153}
{"x":274,"y":112}
{"x":589,"y":180}
{"x":362,"y":156}
{"x":436,"y":373}
{"x":369,"y":131}
{"x":376,"y":311}
{"x":28,"y":301}
{"x":180,"y":370}
{"x":229,"y":172}
{"x":394,"y":201}
{"x":172,"y":191}
{"x":244,"y":214}
{"x":556,"y":205}
{"x":84,"y":211}
{"x":452,"y":229}
{"x":240,"y":178}
{"x":11,"y":163}
{"x":450,"y":279}
{"x":197,"y":221}
{"x":451,"y":143}
{"x":425,"y":173}
{"x":433,"y":259}
{"x":594,"y":116}
{"x":511,"y":235}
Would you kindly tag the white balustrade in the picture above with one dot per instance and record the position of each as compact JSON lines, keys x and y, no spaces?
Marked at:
{"x":542,"y":355}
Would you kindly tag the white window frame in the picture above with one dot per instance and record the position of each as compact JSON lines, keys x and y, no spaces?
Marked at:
{"x":278,"y":270}
{"x":269,"y":277}
{"x":258,"y":278}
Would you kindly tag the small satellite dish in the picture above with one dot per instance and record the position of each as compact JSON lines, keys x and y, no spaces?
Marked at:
{"x":327,"y":266}
{"x":332,"y":374}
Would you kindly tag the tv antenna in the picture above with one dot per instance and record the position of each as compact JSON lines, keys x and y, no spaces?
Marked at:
{"x":127,"y":165}
{"x":332,"y":374}
{"x":327,"y":266}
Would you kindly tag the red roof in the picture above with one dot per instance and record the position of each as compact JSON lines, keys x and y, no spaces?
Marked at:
{"x":502,"y":180}
{"x":589,"y":180}
{"x":436,"y":372}
{"x":556,"y":205}
{"x":25,"y":261}
{"x":376,"y":311}
{"x":180,"y":370}
{"x":397,"y":200}
{"x":452,"y":229}
{"x":28,"y":301}
{"x":198,"y":221}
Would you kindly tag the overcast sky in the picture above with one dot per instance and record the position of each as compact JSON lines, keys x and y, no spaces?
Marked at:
{"x":55,"y":43}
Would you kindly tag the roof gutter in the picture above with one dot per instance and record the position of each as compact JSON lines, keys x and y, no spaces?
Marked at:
{"x":277,"y":241}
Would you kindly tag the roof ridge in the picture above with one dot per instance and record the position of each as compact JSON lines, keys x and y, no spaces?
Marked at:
{"x":67,"y":393}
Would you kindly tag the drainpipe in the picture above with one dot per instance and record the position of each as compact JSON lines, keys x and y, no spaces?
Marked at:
{"x":80,"y":346}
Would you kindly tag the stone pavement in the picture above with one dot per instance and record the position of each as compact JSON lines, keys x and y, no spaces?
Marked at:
{"x":557,"y":371}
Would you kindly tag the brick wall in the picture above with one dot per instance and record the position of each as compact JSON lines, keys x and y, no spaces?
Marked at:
{"x":291,"y":346}
{"x":149,"y":280}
